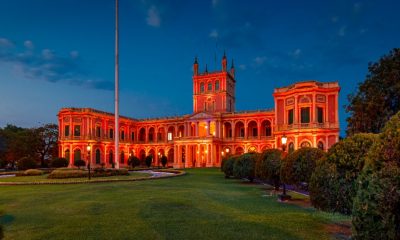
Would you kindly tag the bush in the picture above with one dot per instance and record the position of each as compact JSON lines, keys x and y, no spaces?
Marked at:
{"x":59,"y":162}
{"x":134,"y":161}
{"x":61,"y":174}
{"x":79,"y":163}
{"x":376,"y":208}
{"x":297,"y":167}
{"x":33,"y":172}
{"x":26,"y":163}
{"x":244,"y":166}
{"x":101,"y":172}
{"x":268,"y":166}
{"x":227,"y":166}
{"x":164,"y":161}
{"x":344,"y":162}
{"x":148,"y":160}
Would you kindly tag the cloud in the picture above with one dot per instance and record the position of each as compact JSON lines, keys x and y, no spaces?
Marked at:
{"x":258,"y":61}
{"x":5,"y":43}
{"x":334,"y":19}
{"x":213,"y":34}
{"x":49,"y":66}
{"x":153,"y":16}
{"x":342,"y":31}
{"x":242,"y":67}
{"x":28,"y":44}
{"x":214,"y":3}
{"x":296,"y":53}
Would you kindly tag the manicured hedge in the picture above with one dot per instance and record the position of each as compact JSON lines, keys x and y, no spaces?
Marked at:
{"x":298,"y":166}
{"x":60,"y":174}
{"x":376,"y":209}
{"x":26,"y":163}
{"x":244,"y":166}
{"x":333,"y":183}
{"x":268,"y":166}
{"x":227,"y":166}
{"x":59,"y":162}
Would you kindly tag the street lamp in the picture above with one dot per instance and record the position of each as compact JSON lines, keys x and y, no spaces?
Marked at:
{"x":284,"y":196}
{"x":88,"y":148}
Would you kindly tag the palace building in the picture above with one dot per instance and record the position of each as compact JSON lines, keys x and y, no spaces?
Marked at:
{"x":306,"y":113}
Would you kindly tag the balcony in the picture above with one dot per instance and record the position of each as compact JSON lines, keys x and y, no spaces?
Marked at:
{"x":286,"y":127}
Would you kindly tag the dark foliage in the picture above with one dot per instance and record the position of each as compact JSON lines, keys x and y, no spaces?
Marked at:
{"x":148,"y":160}
{"x":58,"y":162}
{"x":134,"y":161}
{"x":268,"y":166}
{"x":164,"y":161}
{"x":377,"y":98}
{"x":26,"y":163}
{"x":79,"y":163}
{"x":227,"y":165}
{"x":244,"y":166}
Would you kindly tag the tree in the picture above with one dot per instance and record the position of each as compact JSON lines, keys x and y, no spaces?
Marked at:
{"x":149,"y":160}
{"x":227,"y":165}
{"x":26,"y":163}
{"x":164,"y":160}
{"x":333,"y":183}
{"x":59,"y":162}
{"x":45,"y":142}
{"x":134,"y":161}
{"x":377,"y":98}
{"x":298,"y":166}
{"x":376,"y":208}
{"x":244,"y":166}
{"x":268,"y":166}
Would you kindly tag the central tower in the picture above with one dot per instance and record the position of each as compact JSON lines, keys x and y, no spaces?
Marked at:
{"x":214,"y":91}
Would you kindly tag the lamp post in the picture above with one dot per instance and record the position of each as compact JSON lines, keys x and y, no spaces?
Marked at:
{"x":88,"y":148}
{"x":284,"y":196}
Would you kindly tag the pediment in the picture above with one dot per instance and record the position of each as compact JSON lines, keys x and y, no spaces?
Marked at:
{"x":201,"y":115}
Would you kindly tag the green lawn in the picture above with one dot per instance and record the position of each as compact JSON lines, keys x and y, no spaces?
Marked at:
{"x":199,"y":205}
{"x":43,"y":178}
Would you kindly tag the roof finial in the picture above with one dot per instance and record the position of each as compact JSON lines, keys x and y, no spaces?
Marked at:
{"x":206,"y":69}
{"x":195,"y":60}
{"x":224,"y":55}
{"x":232,"y":66}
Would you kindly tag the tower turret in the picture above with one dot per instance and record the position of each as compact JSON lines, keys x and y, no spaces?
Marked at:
{"x":195,"y":67}
{"x":224,"y":63}
{"x":232,"y":71}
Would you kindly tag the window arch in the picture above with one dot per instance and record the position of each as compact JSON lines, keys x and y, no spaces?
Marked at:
{"x":202,"y":87}
{"x":305,"y":144}
{"x":97,"y":156}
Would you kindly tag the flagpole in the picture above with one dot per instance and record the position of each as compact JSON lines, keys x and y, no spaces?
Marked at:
{"x":116,"y":139}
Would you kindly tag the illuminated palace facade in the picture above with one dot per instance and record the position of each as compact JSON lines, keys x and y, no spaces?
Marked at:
{"x":305,"y":112}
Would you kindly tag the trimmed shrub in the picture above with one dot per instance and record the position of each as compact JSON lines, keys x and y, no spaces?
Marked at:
{"x":148,"y":160}
{"x":26,"y":163}
{"x":101,"y":172}
{"x":297,"y":167}
{"x":268,"y":166}
{"x":33,"y":172}
{"x":244,"y":166}
{"x":344,"y":161}
{"x":164,"y":161}
{"x":134,"y":161}
{"x":61,"y":174}
{"x":376,"y":208}
{"x":59,"y":162}
{"x":227,"y":166}
{"x":79,"y":163}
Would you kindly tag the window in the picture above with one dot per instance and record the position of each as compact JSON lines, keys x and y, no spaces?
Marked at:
{"x":290,"y":116}
{"x":268,"y":130}
{"x":110,"y":158}
{"x":241,"y":133}
{"x":77,"y":155}
{"x":305,"y":144}
{"x":217,"y":85}
{"x":66,"y":130}
{"x":209,"y":87}
{"x":122,"y":135}
{"x":111,"y":133}
{"x":66,"y":154}
{"x":305,"y":115}
{"x":201,"y":87}
{"x":77,"y":130}
{"x":97,"y":156}
{"x":320,"y":115}
{"x":122,"y":160}
{"x":132,"y":136}
{"x":254,"y":132}
{"x":169,"y":136}
{"x":98,"y":131}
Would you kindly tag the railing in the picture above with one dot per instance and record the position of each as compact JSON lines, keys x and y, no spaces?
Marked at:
{"x":285,"y":127}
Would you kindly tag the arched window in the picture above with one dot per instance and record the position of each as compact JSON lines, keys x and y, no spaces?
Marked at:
{"x":66,"y":154}
{"x":305,"y":144}
{"x":321,"y":145}
{"x":217,"y":85}
{"x":110,"y":158}
{"x":291,"y":147}
{"x":77,"y":154}
{"x":209,"y":87}
{"x":122,"y":160}
{"x":201,"y":87}
{"x":97,"y":156}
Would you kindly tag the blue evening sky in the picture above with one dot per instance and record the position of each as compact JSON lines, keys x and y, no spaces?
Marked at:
{"x":56,"y":54}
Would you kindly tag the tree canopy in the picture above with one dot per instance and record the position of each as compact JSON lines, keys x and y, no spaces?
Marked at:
{"x":377,"y":98}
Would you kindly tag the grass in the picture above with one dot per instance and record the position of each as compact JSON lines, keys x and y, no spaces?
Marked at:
{"x":199,"y":205}
{"x":43,"y":178}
